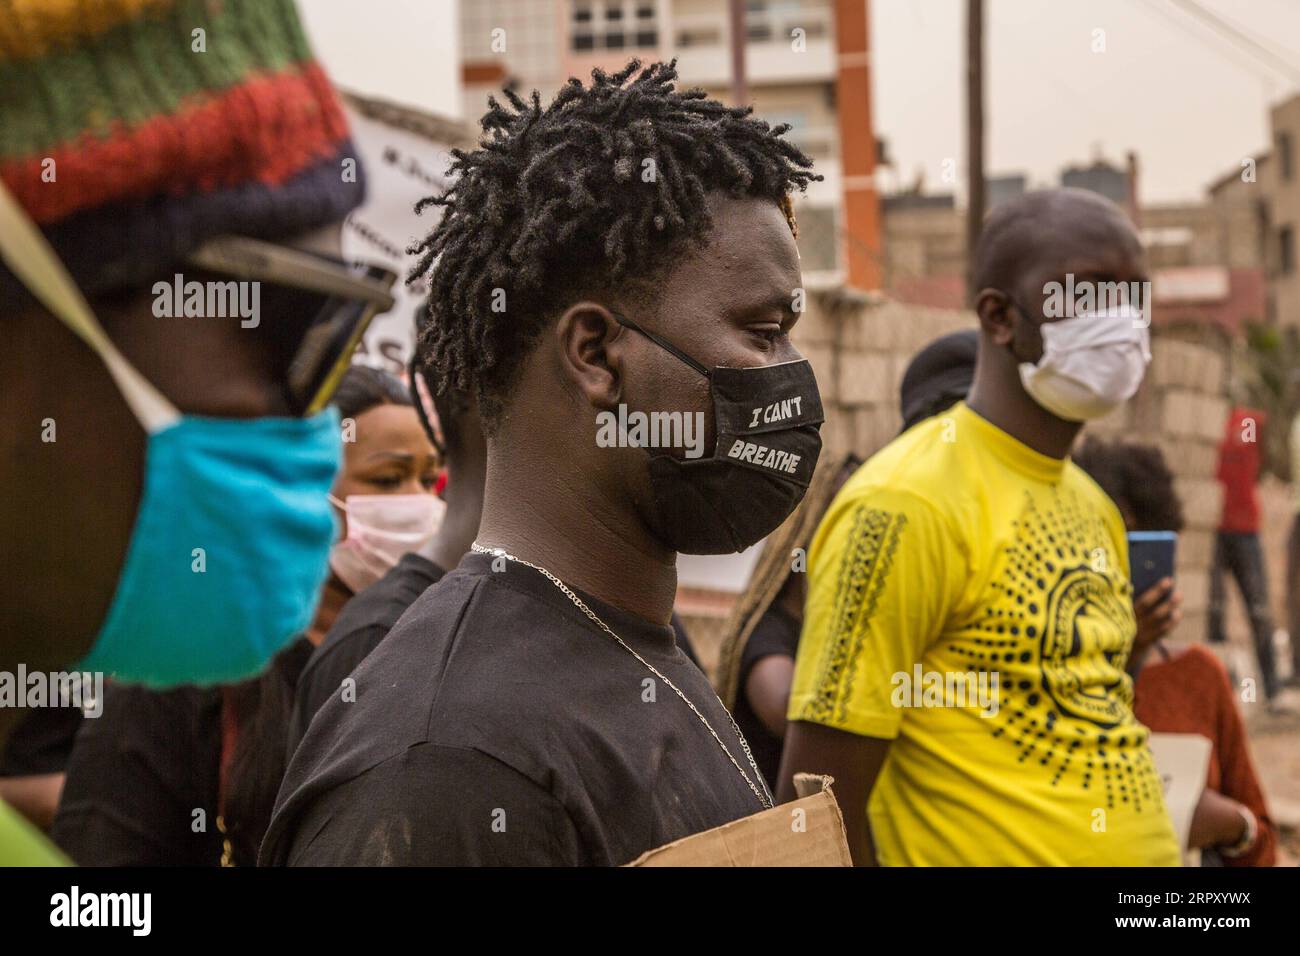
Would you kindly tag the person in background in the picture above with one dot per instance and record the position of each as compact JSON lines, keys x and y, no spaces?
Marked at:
{"x":452,"y":424}
{"x":1237,"y":549}
{"x":937,"y":378}
{"x":766,"y":672}
{"x":1184,"y":690}
{"x":972,"y":545}
{"x":134,"y":425}
{"x":140,"y":771}
{"x":761,"y":636}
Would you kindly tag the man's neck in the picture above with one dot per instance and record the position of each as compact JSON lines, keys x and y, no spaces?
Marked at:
{"x":1011,"y":409}
{"x":559,"y":523}
{"x":464,"y":497}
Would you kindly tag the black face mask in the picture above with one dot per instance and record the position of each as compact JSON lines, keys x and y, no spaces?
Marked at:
{"x":768,"y":419}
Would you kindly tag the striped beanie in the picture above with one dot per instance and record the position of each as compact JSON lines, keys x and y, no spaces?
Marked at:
{"x":132,"y":131}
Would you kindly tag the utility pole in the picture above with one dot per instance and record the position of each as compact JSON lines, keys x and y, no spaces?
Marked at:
{"x":739,"y":85}
{"x":974,"y":136}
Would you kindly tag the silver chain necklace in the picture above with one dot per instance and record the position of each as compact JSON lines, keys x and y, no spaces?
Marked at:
{"x":764,"y":796}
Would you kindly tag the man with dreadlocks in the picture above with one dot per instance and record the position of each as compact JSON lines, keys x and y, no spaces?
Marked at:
{"x":609,"y":270}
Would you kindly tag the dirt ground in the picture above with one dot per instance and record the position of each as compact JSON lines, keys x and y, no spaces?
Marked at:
{"x":1275,"y":746}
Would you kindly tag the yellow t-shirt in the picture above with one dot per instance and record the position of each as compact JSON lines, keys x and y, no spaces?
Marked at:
{"x":21,"y":844}
{"x":969,"y":600}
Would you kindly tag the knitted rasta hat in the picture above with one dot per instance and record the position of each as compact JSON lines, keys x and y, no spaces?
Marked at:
{"x":132,"y":131}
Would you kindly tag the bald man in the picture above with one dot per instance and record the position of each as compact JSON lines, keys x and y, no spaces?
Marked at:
{"x":961,"y":668}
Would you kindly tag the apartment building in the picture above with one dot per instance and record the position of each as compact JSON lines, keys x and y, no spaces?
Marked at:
{"x":1280,"y":186}
{"x":1253,"y":217}
{"x":806,"y":65}
{"x":1208,"y":259}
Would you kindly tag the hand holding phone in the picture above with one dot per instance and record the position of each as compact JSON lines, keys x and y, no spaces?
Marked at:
{"x":1156,"y":601}
{"x":1150,"y":558}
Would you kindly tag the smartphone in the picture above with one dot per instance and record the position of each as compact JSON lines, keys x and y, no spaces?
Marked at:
{"x":1150,"y":558}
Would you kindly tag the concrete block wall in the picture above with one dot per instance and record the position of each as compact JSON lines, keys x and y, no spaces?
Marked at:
{"x":859,"y":347}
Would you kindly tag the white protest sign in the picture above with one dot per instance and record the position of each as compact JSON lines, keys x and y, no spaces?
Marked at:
{"x":401,"y":168}
{"x":1182,"y":760}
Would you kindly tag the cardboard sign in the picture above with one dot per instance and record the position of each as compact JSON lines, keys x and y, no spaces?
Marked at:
{"x":1182,"y":760}
{"x":808,"y":831}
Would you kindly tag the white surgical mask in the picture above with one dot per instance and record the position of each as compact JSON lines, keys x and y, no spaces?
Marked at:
{"x":1091,"y":364}
{"x":380,"y":529}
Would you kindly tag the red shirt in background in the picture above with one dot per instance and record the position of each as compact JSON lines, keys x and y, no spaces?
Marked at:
{"x":1190,"y":693}
{"x":1238,"y":470}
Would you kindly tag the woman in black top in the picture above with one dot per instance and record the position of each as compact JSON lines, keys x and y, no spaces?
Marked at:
{"x":766,"y":673}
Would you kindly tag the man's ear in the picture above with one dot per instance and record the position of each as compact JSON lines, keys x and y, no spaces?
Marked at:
{"x":994,"y":309}
{"x":590,"y":359}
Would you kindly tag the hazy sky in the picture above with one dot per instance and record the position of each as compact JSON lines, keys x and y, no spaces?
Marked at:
{"x":402,"y":50}
{"x":1188,"y":102}
{"x":1168,"y":91}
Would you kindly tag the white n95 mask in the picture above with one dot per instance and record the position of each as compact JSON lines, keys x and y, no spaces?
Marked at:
{"x":1091,"y":364}
{"x":380,"y":529}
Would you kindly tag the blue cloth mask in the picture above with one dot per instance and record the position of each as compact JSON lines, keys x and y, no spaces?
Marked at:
{"x":232,"y":537}
{"x":229,"y":551}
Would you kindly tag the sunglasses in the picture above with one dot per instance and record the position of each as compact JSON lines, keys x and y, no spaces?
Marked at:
{"x":342,"y":300}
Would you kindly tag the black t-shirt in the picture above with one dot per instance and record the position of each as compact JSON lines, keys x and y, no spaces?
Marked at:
{"x":142,"y":771}
{"x":360,"y":626}
{"x":137,"y":776}
{"x":775,"y":633}
{"x":683,"y":639}
{"x":41,"y":742}
{"x":496,"y":724}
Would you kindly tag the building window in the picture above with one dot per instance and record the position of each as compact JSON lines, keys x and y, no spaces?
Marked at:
{"x":1284,"y":155}
{"x":1286,"y":250}
{"x":769,"y":21}
{"x":614,"y":25}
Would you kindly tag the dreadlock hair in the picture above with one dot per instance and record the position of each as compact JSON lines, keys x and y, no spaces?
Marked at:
{"x":592,"y":194}
{"x":445,"y":429}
